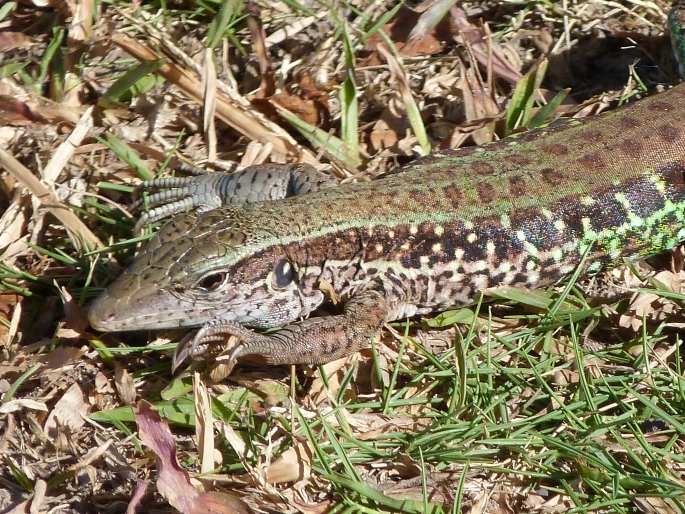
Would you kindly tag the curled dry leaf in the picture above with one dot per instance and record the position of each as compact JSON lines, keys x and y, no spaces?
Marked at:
{"x":321,"y":392}
{"x":267,"y":86}
{"x":68,"y":414}
{"x":480,"y":108}
{"x":652,"y":306}
{"x":75,"y":316}
{"x":219,"y":503}
{"x":124,"y":384}
{"x":294,"y":465}
{"x":486,"y":51}
{"x":303,"y":108}
{"x":426,"y":41}
{"x":17,"y":112}
{"x":22,"y":404}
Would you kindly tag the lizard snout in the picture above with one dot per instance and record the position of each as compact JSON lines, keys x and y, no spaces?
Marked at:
{"x":101,"y":313}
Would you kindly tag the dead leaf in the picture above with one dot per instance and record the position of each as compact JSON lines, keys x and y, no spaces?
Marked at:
{"x":15,"y":41}
{"x":21,"y":404}
{"x":17,"y":112}
{"x":232,"y":111}
{"x":486,"y":51}
{"x":219,"y":503}
{"x":61,"y":357}
{"x":40,"y":487}
{"x":480,"y":107}
{"x":204,"y":424}
{"x":173,"y":482}
{"x":209,"y":102}
{"x":123,"y":381}
{"x":68,"y":413}
{"x":321,"y":392}
{"x":9,"y":303}
{"x":138,"y":494}
{"x":294,"y":465}
{"x":312,"y":508}
{"x":382,"y":136}
{"x":76,"y":321}
{"x":304,"y":109}
{"x":79,"y":232}
{"x":81,"y":25}
{"x":400,"y":29}
{"x":267,"y":86}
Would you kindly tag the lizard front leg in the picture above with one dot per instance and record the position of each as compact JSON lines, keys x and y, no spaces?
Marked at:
{"x":312,"y":341}
{"x":212,"y":190}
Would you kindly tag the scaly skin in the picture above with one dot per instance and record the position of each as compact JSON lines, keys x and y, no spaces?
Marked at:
{"x":434,"y":234}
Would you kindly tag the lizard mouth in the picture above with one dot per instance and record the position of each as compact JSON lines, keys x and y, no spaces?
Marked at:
{"x":107,"y":314}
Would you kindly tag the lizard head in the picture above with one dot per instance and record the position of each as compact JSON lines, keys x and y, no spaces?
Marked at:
{"x":226,"y":264}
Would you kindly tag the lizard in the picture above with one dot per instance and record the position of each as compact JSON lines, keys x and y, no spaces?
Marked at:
{"x":252,"y":250}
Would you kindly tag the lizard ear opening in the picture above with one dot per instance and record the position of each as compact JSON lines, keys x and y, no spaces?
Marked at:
{"x":283,"y":274}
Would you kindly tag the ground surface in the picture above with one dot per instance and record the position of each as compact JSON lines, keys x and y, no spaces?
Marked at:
{"x":566,"y":400}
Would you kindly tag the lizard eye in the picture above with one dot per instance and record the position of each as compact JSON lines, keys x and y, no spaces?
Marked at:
{"x":283,"y":274}
{"x":212,"y":281}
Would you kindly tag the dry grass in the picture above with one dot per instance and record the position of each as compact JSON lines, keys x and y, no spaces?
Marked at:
{"x":544,"y":402}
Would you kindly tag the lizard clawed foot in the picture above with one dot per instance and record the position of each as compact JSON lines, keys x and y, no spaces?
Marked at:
{"x":196,"y":345}
{"x":179,"y":194}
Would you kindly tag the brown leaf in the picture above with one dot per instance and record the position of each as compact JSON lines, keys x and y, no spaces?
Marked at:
{"x":382,"y":136}
{"x":15,"y":41}
{"x":17,"y":112}
{"x":480,"y":108}
{"x":75,"y":315}
{"x":60,"y":358}
{"x":219,"y":503}
{"x":69,"y":413}
{"x":267,"y":87}
{"x":124,"y":384}
{"x":305,"y":109}
{"x":484,"y":48}
{"x":400,"y":29}
{"x":293,"y":465}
